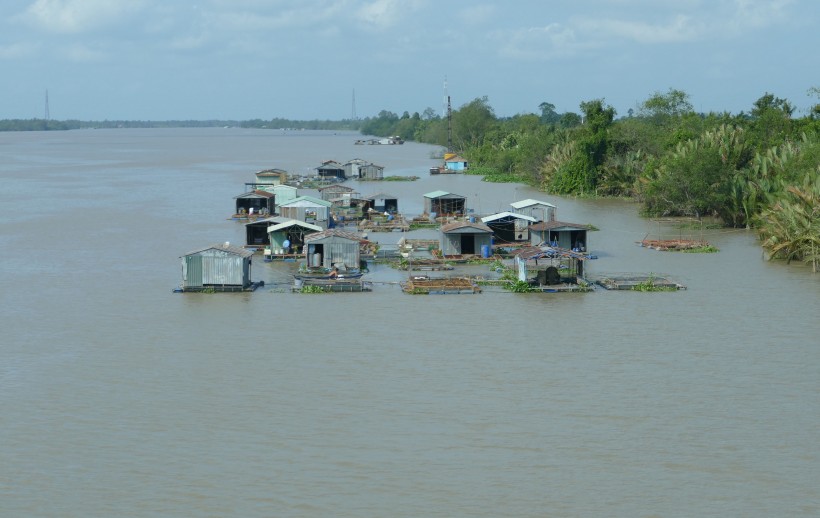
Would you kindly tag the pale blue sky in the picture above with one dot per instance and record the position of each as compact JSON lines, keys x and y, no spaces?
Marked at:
{"x":303,"y":59}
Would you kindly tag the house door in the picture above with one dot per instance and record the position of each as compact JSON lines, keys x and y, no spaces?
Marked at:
{"x":468,"y":244}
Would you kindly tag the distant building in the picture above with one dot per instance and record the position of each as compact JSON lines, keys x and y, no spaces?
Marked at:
{"x":453,"y":162}
{"x":330,"y":169}
{"x":271,"y":177}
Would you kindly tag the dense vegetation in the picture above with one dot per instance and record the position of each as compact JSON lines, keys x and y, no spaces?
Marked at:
{"x":756,"y":170}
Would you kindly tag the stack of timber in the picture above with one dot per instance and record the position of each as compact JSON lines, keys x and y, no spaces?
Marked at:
{"x":443,"y":286}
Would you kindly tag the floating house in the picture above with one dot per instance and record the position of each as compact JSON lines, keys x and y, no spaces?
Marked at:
{"x":270,"y":178}
{"x":381,"y":202}
{"x":540,"y":210}
{"x":284,"y":193}
{"x":330,"y":169}
{"x":466,"y":238}
{"x":289,"y":235}
{"x":560,"y":234}
{"x":444,"y":203}
{"x":217,"y":268}
{"x":333,"y":248}
{"x":256,"y":232}
{"x":453,"y":162}
{"x":336,"y":191}
{"x":363,"y":170}
{"x":547,"y":273}
{"x":255,"y":202}
{"x":509,"y":227}
{"x":306,"y":208}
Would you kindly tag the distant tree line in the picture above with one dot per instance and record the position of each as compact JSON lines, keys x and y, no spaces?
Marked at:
{"x":759,"y":169}
{"x":54,"y":125}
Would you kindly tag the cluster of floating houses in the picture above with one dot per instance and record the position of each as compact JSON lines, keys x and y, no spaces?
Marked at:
{"x":328,"y":236}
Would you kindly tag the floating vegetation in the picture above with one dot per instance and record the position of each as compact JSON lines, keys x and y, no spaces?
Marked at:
{"x":519,"y":287}
{"x":650,"y":285}
{"x":311,"y":288}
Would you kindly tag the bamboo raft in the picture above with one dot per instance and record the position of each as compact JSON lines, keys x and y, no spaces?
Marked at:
{"x":444,"y":286}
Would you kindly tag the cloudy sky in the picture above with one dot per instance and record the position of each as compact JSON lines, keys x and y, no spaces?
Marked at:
{"x":304,"y":59}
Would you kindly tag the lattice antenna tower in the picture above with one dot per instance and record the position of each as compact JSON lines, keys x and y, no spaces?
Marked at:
{"x":353,"y":115}
{"x":47,"y":114}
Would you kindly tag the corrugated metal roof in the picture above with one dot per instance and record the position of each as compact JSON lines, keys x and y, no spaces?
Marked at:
{"x":333,"y":233}
{"x":256,"y":194}
{"x":528,"y":203}
{"x":293,"y":223}
{"x":235,"y":250}
{"x":306,"y":201}
{"x":558,"y":225}
{"x":336,"y":188}
{"x":273,"y":220}
{"x":436,"y":194}
{"x":502,"y":215}
{"x":465,"y":225}
{"x":381,"y":196}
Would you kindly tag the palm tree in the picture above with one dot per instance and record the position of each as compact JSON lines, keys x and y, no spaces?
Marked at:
{"x":790,"y":228}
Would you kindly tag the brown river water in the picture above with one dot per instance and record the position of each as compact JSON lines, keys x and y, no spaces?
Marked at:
{"x":121,"y":398}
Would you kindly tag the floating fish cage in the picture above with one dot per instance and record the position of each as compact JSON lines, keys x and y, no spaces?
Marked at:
{"x":332,"y":285}
{"x":444,"y":286}
{"x":639,"y":283}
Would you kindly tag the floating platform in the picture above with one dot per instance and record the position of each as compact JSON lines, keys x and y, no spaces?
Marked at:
{"x":667,"y":245}
{"x":333,"y":285}
{"x":219,"y":289}
{"x":444,"y":286}
{"x":639,"y":283}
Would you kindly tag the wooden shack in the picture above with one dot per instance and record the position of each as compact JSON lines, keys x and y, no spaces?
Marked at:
{"x":466,"y":238}
{"x":561,"y":234}
{"x":218,"y":268}
{"x":444,"y":203}
{"x":330,"y":169}
{"x":363,"y":170}
{"x":333,"y":248}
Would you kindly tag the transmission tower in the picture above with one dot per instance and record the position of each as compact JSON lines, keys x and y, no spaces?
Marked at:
{"x":354,"y":116}
{"x":47,"y":114}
